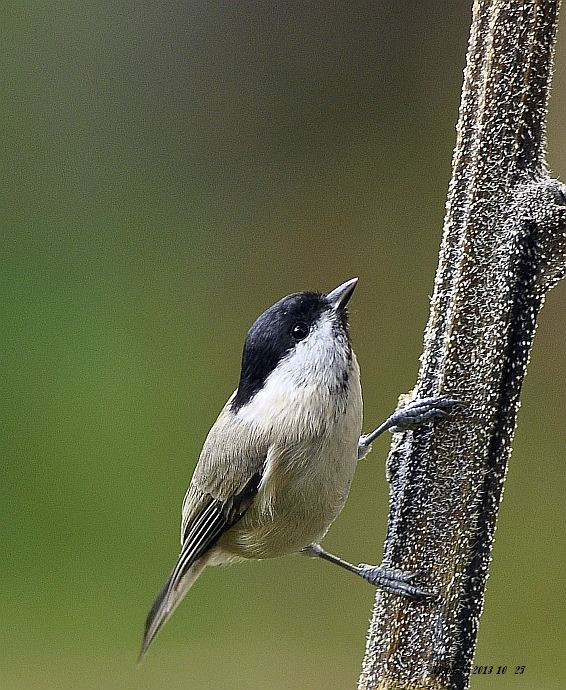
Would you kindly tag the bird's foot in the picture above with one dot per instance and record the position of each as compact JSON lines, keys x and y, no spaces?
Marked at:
{"x":393,"y":581}
{"x":420,"y":411}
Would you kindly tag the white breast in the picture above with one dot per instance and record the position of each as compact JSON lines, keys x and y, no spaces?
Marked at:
{"x":313,"y":432}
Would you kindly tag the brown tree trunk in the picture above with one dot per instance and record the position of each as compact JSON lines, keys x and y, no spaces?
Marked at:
{"x":503,"y":248}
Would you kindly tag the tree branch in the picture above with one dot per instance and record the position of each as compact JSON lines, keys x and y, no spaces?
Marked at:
{"x":503,"y":248}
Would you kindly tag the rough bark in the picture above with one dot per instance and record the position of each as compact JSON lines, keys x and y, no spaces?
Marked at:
{"x":503,"y":248}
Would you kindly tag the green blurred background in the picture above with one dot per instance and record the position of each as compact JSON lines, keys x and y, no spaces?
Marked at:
{"x":170,"y":170}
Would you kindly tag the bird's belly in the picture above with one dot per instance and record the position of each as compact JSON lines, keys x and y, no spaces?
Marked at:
{"x":295,"y":505}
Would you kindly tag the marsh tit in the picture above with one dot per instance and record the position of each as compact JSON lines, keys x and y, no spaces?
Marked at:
{"x":277,"y":465}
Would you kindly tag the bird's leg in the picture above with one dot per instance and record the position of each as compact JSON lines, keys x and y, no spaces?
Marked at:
{"x":415,"y":414}
{"x":387,"y":579}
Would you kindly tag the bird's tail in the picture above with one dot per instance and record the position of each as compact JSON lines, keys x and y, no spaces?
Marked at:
{"x":166,"y":602}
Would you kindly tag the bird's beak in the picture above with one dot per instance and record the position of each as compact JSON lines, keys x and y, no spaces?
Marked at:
{"x":340,"y":296}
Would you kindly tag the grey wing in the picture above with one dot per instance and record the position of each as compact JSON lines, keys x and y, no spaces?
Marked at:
{"x":224,"y":484}
{"x":208,"y":525}
{"x":230,"y":466}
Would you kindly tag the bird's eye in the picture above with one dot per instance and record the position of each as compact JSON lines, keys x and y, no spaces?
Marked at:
{"x":300,"y":330}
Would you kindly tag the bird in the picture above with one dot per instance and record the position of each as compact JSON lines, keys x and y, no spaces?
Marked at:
{"x":276,"y":467}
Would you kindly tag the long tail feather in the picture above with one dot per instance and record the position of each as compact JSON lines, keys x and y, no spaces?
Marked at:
{"x":166,"y":602}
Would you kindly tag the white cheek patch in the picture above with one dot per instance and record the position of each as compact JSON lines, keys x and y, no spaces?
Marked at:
{"x":301,"y":390}
{"x":322,"y":357}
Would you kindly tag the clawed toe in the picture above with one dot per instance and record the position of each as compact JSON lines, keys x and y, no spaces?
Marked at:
{"x":423,"y":410}
{"x":394,"y":581}
{"x":409,"y":418}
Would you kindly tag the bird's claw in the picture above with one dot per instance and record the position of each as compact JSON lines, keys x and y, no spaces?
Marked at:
{"x":394,"y":581}
{"x":423,"y":410}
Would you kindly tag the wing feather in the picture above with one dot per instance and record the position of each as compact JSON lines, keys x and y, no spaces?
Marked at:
{"x":224,"y":483}
{"x":231,"y":455}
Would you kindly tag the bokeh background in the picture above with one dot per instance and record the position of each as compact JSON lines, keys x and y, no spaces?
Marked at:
{"x":168,"y":171}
